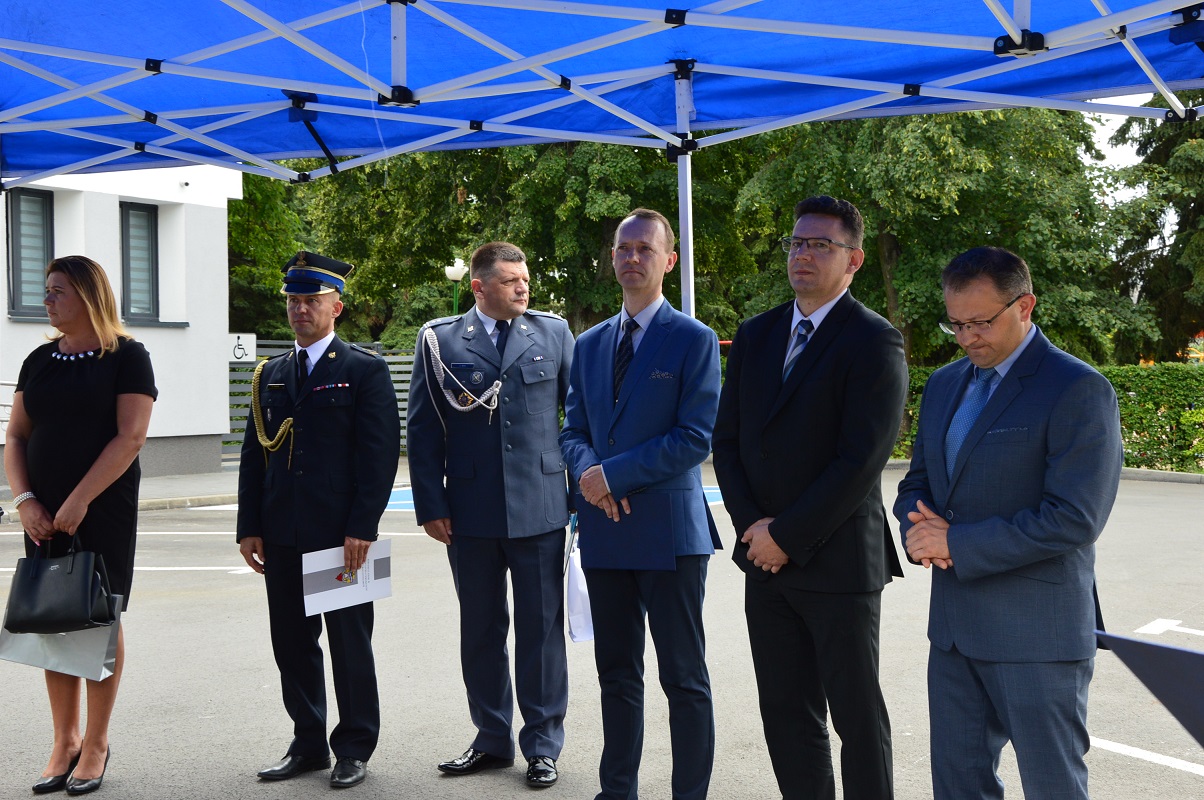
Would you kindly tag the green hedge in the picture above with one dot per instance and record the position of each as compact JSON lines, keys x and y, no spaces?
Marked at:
{"x":1161,"y":415}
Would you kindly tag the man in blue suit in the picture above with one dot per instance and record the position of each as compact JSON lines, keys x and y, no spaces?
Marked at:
{"x":643,"y":393}
{"x":489,"y":482}
{"x":1015,"y":469}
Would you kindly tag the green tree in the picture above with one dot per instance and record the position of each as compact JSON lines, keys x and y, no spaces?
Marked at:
{"x":1166,"y":271}
{"x":264,"y":231}
{"x":931,"y":187}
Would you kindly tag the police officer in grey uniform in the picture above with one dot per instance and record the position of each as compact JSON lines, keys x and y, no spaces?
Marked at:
{"x":489,"y":483}
{"x":317,"y":468}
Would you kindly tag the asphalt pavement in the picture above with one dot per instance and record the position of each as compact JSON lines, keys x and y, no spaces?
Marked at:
{"x":199,"y":710}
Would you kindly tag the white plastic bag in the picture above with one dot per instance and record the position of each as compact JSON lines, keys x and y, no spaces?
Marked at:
{"x":581,"y":624}
{"x":90,"y":653}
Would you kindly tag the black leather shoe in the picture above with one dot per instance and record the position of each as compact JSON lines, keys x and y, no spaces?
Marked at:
{"x":541,"y":772}
{"x":293,"y":765}
{"x":474,"y":761}
{"x":55,"y":783}
{"x":347,"y":772}
{"x":78,"y":786}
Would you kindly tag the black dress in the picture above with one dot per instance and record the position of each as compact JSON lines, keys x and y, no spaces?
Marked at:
{"x":71,"y":402}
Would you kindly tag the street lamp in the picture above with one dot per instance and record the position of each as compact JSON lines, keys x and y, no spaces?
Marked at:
{"x":455,"y":274}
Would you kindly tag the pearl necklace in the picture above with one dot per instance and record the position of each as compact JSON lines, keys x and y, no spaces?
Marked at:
{"x":73,"y":356}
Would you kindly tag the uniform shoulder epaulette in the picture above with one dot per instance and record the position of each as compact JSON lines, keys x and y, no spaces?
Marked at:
{"x":365,"y":350}
{"x":551,"y":314}
{"x":285,"y":354}
{"x":444,"y":320}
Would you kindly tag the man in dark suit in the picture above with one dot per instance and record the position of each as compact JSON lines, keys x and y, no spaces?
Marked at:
{"x":642,"y":397}
{"x":1015,"y":469}
{"x":489,"y":482}
{"x":317,"y":468}
{"x":809,"y":414}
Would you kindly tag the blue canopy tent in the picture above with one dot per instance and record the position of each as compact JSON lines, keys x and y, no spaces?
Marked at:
{"x":88,"y":86}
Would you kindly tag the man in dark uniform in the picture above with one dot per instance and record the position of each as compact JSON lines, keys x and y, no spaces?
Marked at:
{"x":317,"y":467}
{"x":489,"y":482}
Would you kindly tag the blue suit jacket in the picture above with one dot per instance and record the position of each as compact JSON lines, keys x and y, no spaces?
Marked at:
{"x":1031,"y":490}
{"x":496,"y":474}
{"x":659,"y":431}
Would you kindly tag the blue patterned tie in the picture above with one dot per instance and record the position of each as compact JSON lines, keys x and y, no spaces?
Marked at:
{"x":966,"y":415}
{"x":796,"y":347}
{"x":625,"y":354}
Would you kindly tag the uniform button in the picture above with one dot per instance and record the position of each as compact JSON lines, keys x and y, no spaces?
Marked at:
{"x":504,"y":376}
{"x":508,"y":448}
{"x":505,"y":399}
{"x":299,"y":473}
{"x":542,"y":373}
{"x":506,"y":423}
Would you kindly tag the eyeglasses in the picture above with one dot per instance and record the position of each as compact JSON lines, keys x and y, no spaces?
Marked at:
{"x":816,"y":244}
{"x":977,"y":325}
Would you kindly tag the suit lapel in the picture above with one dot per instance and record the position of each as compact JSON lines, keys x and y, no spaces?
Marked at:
{"x":476,"y":338}
{"x":522,"y":329}
{"x":654,"y":337}
{"x":1007,"y":391}
{"x":824,"y":336}
{"x":326,"y":365}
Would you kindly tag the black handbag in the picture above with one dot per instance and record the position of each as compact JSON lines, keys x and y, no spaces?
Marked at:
{"x":57,"y":595}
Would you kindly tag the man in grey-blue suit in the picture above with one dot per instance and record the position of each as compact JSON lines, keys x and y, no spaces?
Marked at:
{"x":489,"y":482}
{"x":1016,"y":466}
{"x":643,"y":393}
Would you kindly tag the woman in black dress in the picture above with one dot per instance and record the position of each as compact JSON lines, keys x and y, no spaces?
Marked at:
{"x":79,"y":417}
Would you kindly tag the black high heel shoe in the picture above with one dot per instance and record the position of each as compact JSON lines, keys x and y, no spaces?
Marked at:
{"x":56,"y":783}
{"x":77,"y":786}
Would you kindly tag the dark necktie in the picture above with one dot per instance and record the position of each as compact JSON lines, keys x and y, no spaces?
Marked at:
{"x":625,"y":354}
{"x":503,"y":328}
{"x":966,"y":415}
{"x":302,"y":370}
{"x":796,"y":347}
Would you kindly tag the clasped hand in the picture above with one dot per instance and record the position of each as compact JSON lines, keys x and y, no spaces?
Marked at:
{"x":597,"y":493}
{"x":927,"y":540}
{"x":763,"y":551}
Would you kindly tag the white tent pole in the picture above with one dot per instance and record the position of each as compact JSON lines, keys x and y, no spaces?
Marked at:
{"x":1058,"y":38}
{"x":1005,"y":19}
{"x":1146,"y":67}
{"x":519,"y":63}
{"x":543,"y":72}
{"x":309,"y":46}
{"x":397,"y":27}
{"x":139,"y":71}
{"x":124,"y":119}
{"x":930,"y":90}
{"x":138,"y":114}
{"x":1022,"y":13}
{"x":684,"y":94}
{"x":707,"y":17}
{"x":523,"y":87}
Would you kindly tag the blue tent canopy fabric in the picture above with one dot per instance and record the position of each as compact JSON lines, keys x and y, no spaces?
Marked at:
{"x":88,"y":86}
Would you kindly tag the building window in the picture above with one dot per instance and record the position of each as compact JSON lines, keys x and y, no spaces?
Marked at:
{"x":30,"y":249}
{"x":140,"y":261}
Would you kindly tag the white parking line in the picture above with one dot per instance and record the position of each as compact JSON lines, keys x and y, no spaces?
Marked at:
{"x":1146,"y":755}
{"x":1160,"y":626}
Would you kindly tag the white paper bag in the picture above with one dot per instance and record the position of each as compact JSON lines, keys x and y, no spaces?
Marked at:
{"x":90,"y":653}
{"x":581,"y":624}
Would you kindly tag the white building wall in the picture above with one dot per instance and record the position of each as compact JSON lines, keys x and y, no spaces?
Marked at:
{"x":188,"y":345}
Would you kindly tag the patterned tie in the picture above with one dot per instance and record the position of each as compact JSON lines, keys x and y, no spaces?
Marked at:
{"x":966,"y":415}
{"x":796,"y":347}
{"x":503,"y":328}
{"x":624,"y":355}
{"x":302,"y":371}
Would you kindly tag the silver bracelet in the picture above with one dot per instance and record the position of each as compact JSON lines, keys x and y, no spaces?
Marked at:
{"x":21,"y":498}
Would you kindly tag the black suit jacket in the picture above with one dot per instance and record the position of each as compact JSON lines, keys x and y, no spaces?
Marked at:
{"x":810,"y":453}
{"x":334,"y":478}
